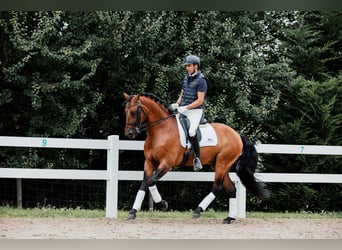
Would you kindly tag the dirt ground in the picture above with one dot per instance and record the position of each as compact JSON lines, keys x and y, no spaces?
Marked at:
{"x":105,"y":228}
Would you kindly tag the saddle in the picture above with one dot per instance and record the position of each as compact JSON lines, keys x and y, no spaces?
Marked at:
{"x":205,"y":134}
{"x":185,"y":122}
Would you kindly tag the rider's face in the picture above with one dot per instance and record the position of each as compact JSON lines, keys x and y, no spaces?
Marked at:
{"x":191,"y":68}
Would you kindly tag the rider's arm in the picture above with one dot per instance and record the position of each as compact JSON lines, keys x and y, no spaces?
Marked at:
{"x":179,"y":98}
{"x":198,"y":101}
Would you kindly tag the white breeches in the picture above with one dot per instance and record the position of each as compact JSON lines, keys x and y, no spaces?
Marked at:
{"x":194,"y":115}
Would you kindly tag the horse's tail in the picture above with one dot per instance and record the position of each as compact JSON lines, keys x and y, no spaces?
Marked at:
{"x":245,"y":168}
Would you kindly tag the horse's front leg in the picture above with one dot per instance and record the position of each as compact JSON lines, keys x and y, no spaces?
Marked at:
{"x":152,"y":186}
{"x":149,"y":183}
{"x":139,"y":198}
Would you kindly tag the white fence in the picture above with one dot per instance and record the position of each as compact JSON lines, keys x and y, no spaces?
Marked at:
{"x":112,"y":175}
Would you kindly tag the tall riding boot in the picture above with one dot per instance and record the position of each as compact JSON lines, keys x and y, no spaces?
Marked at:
{"x":195,"y":146}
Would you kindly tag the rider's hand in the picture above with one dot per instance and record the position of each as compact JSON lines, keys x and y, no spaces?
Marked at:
{"x":174,"y":106}
{"x":182,"y":109}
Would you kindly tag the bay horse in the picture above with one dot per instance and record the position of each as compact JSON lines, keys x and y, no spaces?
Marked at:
{"x":163,"y":151}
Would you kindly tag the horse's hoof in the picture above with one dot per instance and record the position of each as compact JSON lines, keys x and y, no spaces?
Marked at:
{"x":164,"y":205}
{"x":197,"y":213}
{"x":132,"y":214}
{"x":228,"y":220}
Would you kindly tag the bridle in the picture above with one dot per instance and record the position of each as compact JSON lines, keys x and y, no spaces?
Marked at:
{"x":138,"y":125}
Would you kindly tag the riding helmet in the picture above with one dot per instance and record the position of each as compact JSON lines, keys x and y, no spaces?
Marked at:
{"x":192,"y":59}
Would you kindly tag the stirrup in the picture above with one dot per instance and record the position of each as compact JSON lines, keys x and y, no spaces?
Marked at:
{"x":197,"y":164}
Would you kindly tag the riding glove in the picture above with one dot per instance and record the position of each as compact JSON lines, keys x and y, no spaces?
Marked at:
{"x":174,"y":106}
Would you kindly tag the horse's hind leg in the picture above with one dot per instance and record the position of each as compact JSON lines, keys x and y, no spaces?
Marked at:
{"x":231,"y":190}
{"x":210,"y":197}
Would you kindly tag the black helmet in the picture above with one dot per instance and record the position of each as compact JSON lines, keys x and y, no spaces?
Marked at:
{"x":192,"y":59}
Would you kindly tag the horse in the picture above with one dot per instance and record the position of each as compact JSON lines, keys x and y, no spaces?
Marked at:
{"x":163,"y":151}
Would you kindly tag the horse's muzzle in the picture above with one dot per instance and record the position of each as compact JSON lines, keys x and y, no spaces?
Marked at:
{"x":131,"y":133}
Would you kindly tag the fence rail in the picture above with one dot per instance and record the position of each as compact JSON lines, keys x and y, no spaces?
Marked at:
{"x":112,"y":175}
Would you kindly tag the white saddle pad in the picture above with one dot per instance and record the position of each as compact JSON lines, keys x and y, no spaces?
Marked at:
{"x":209,"y":137}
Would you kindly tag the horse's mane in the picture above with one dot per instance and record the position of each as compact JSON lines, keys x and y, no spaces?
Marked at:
{"x":156,"y":99}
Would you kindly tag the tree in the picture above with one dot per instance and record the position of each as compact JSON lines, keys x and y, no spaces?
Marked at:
{"x":45,"y":83}
{"x":314,"y":44}
{"x":309,"y":111}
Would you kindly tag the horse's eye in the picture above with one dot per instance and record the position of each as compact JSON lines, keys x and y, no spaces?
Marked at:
{"x":133,"y":113}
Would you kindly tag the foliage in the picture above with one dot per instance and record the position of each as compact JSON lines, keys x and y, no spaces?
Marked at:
{"x":309,"y":112}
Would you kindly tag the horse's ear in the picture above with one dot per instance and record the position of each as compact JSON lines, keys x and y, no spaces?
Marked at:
{"x":126,"y":95}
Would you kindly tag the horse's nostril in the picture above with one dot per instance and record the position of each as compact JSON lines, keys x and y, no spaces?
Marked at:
{"x":130,"y":134}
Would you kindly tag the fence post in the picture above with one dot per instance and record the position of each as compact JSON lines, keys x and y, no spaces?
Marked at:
{"x":112,"y":179}
{"x":241,"y":199}
{"x":19,"y":193}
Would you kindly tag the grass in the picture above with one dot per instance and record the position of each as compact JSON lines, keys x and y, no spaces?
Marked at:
{"x":220,"y":215}
{"x":50,"y":212}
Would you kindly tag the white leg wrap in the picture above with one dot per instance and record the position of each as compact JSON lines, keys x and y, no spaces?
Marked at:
{"x":232,"y":207}
{"x":155,"y":194}
{"x":139,"y":200}
{"x":206,"y":201}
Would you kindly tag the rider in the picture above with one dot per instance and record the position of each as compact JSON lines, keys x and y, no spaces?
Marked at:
{"x":191,"y":102}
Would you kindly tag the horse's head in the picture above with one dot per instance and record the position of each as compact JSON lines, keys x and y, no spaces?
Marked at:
{"x":135,"y":115}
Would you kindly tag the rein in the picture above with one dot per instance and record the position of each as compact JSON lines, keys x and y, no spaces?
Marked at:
{"x":144,"y":127}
